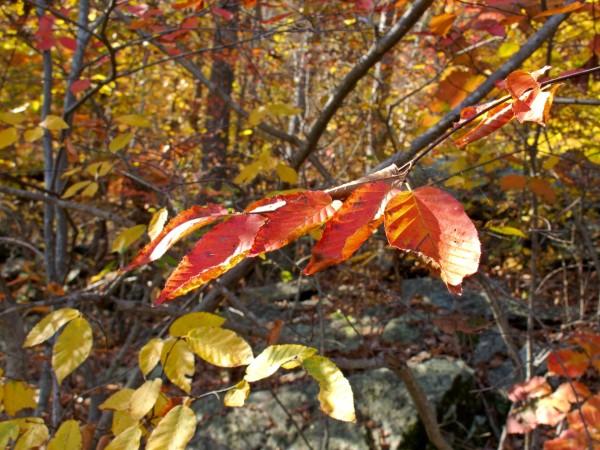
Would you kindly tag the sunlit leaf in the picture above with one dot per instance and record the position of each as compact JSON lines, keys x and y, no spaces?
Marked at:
{"x":90,"y":189}
{"x":67,"y":437}
{"x":72,"y":347}
{"x":149,"y":355}
{"x":237,"y":395}
{"x":286,"y":174}
{"x":560,"y":10}
{"x":215,"y":253}
{"x":143,"y":398}
{"x":17,"y":395}
{"x":9,"y":430}
{"x":49,"y":325}
{"x":431,"y":223}
{"x":174,"y":430}
{"x":293,"y":215}
{"x":36,"y":434}
{"x":186,"y":323}
{"x":54,"y":123}
{"x":441,"y":24}
{"x":75,"y":188}
{"x":507,"y":231}
{"x":335,"y":394}
{"x":119,"y":401}
{"x":134,"y":120}
{"x":275,"y":356}
{"x":491,"y":121}
{"x":128,"y":439}
{"x":33,"y":134}
{"x":350,"y":226}
{"x":157,"y":223}
{"x":219,"y":346}
{"x":568,"y":363}
{"x":12,"y":118}
{"x":121,"y":422}
{"x":180,"y":226}
{"x":127,"y":237}
{"x":177,"y":360}
{"x":8,"y":136}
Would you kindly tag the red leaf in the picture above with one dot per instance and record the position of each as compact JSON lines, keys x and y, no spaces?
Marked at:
{"x":431,"y":223}
{"x":44,"y":36}
{"x":215,"y":253}
{"x":494,"y":119}
{"x":180,"y":226}
{"x":225,"y":14}
{"x":80,"y":85}
{"x":349,"y":227}
{"x":68,"y":43}
{"x":296,"y":215}
{"x":568,"y":363}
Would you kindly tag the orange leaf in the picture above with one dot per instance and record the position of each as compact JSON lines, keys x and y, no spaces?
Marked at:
{"x":560,"y":10}
{"x":512,"y":182}
{"x":441,"y":24}
{"x":494,"y":119}
{"x":297,"y":214}
{"x":589,"y":413}
{"x":533,"y":388}
{"x":215,"y":253}
{"x":568,"y":363}
{"x":180,"y":226}
{"x":431,"y":223}
{"x":349,"y":227}
{"x":543,"y":189}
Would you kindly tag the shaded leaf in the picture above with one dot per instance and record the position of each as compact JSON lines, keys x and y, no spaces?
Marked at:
{"x":215,"y":253}
{"x":54,"y":123}
{"x":72,"y":347}
{"x":33,"y":134}
{"x":335,"y":393}
{"x":431,"y":223}
{"x":174,"y":430}
{"x":275,"y":356}
{"x":134,"y":120}
{"x":80,"y":85}
{"x":12,"y":118}
{"x":17,"y":395}
{"x":507,"y":231}
{"x":149,"y":355}
{"x":177,"y":360}
{"x":157,"y":223}
{"x":186,"y":323}
{"x":127,"y":237}
{"x":75,"y":188}
{"x":294,"y":215}
{"x":8,"y":136}
{"x":180,"y":226}
{"x":143,"y":398}
{"x":129,"y":439}
{"x":67,"y":437}
{"x":36,"y":434}
{"x":220,"y":347}
{"x":121,"y":422}
{"x":567,"y":363}
{"x":49,"y":325}
{"x":350,"y":226}
{"x":543,"y":189}
{"x":9,"y":430}
{"x":119,"y":142}
{"x":237,"y":396}
{"x":513,"y":182}
{"x":286,"y":173}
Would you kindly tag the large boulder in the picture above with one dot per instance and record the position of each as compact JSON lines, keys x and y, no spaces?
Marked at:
{"x":386,"y":416}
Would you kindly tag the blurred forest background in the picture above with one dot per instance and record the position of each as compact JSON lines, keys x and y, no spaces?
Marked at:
{"x":115,"y":114}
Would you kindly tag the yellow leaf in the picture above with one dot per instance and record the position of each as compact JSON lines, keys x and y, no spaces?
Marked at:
{"x":275,"y":356}
{"x":174,"y":430}
{"x":90,"y":190}
{"x":12,"y":118}
{"x":134,"y":120}
{"x":186,"y":323}
{"x":99,"y":169}
{"x":17,"y":396}
{"x":9,"y":431}
{"x":248,"y":173}
{"x":157,"y":223}
{"x":68,"y":437}
{"x":33,"y":134}
{"x":441,"y":24}
{"x":119,"y":401}
{"x":149,"y":355}
{"x":335,"y":394}
{"x":508,"y":48}
{"x":54,"y":123}
{"x":127,"y":237}
{"x":144,"y":398}
{"x":256,"y":116}
{"x":72,"y":348}
{"x":121,"y":421}
{"x":8,"y":137}
{"x":219,"y":346}
{"x":281,"y":109}
{"x":74,"y":189}
{"x":178,"y":363}
{"x":35,"y":435}
{"x":237,"y":396}
{"x":128,"y":439}
{"x":49,"y":325}
{"x":286,"y":174}
{"x":507,"y":231}
{"x":120,"y":141}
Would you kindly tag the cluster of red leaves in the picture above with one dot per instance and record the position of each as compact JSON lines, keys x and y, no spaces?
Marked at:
{"x":426,"y":221}
{"x":537,"y":404}
{"x":528,"y":102}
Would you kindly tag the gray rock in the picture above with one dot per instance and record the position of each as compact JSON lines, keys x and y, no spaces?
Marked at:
{"x":386,"y":417}
{"x":404,"y":329}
